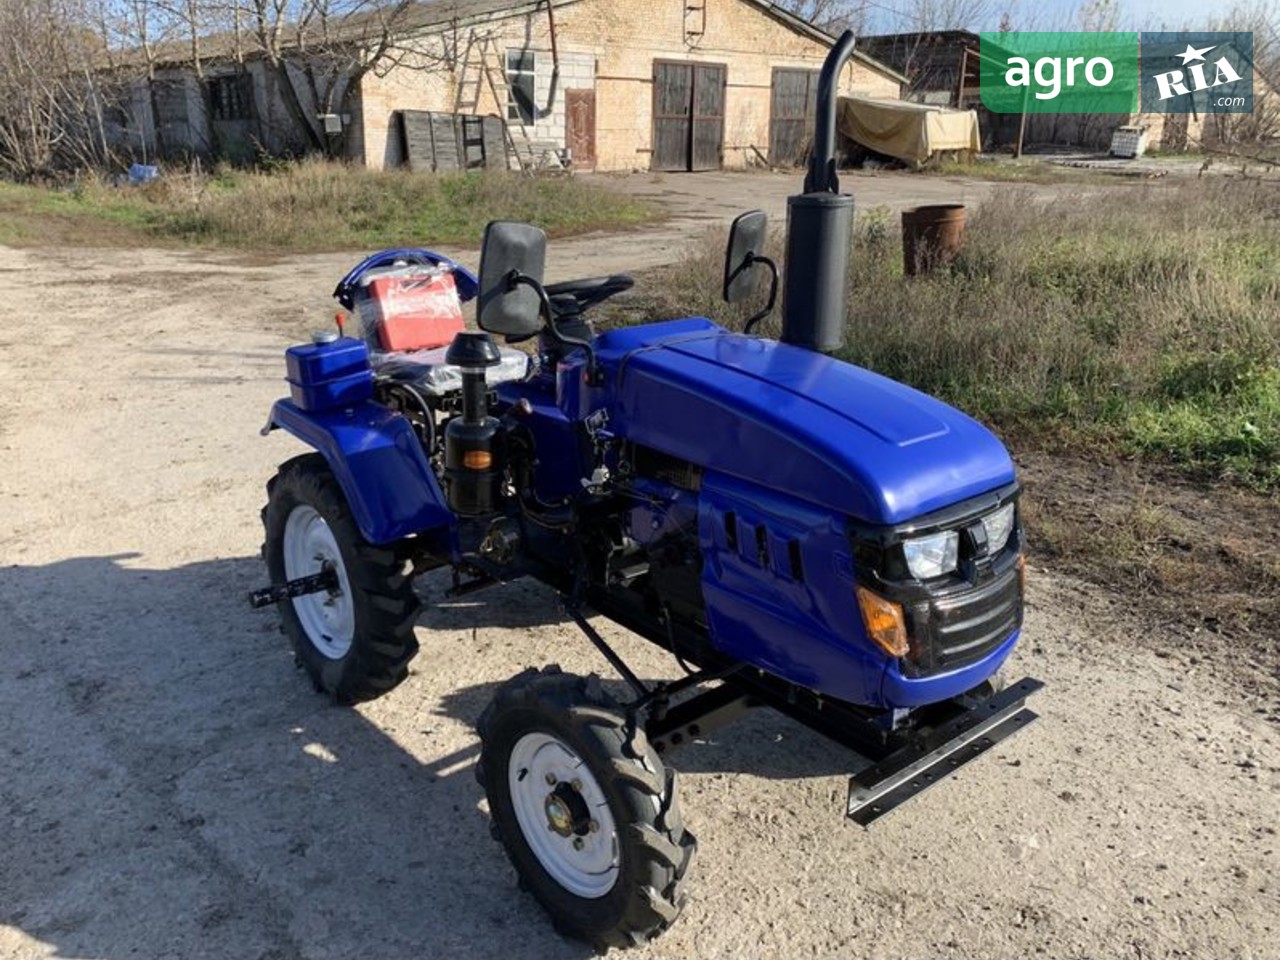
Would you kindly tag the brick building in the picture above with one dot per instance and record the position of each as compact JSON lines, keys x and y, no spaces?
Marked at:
{"x":621,"y":84}
{"x":615,"y":84}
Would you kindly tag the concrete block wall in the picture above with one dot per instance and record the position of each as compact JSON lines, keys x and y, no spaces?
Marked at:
{"x":577,"y":72}
{"x":272,"y":126}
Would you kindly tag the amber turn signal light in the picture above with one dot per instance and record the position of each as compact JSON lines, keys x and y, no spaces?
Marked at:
{"x":884,"y":621}
{"x":477,"y":459}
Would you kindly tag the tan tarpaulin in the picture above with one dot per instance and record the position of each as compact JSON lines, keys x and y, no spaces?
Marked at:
{"x":911,"y":132}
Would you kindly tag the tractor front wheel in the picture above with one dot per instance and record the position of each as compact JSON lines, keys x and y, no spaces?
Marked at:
{"x":355,"y":640}
{"x":584,"y":808}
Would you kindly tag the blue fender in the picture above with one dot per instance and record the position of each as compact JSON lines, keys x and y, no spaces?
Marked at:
{"x":379,"y":463}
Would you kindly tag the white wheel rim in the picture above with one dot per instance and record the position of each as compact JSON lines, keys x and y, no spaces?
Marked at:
{"x":328,"y":619}
{"x":547,"y":779}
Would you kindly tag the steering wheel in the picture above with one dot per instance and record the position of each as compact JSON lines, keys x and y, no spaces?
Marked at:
{"x":574,"y":297}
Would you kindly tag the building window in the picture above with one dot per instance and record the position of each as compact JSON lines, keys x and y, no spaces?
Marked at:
{"x":231,"y":97}
{"x":522,"y":69}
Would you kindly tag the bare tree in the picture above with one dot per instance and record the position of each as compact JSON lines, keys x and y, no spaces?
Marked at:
{"x":51,"y":99}
{"x":1245,"y":131}
{"x":831,"y":15}
{"x":932,"y":15}
{"x":319,"y":50}
{"x":147,"y":28}
{"x":1098,"y":16}
{"x":196,"y":20}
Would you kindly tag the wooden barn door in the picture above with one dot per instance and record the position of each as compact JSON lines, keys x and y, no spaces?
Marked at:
{"x":708,"y":118}
{"x":791,"y":118}
{"x":688,"y":116}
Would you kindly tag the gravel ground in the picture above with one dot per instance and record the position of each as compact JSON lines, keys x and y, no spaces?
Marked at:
{"x":171,"y":787}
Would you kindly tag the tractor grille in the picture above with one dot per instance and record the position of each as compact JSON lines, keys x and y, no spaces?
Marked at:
{"x":962,"y":617}
{"x":958,"y":628}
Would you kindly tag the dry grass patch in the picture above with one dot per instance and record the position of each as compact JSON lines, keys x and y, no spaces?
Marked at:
{"x":308,"y":207}
{"x":1142,"y":321}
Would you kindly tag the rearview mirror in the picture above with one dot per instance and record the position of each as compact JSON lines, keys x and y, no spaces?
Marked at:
{"x":746,"y":246}
{"x":512,"y":253}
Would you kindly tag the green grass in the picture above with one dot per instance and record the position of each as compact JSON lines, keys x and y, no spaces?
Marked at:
{"x":1006,"y":170}
{"x":308,"y":207}
{"x":1143,"y":322}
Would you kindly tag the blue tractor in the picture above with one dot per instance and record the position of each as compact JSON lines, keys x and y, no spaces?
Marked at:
{"x":798,"y":532}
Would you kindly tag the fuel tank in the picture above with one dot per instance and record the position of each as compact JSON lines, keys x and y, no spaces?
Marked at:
{"x":788,"y":419}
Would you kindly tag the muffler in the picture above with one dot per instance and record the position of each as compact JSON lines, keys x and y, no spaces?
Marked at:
{"x":820,"y":229}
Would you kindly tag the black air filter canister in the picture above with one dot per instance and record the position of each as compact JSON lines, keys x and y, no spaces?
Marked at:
{"x":474,"y":444}
{"x":819,"y":233}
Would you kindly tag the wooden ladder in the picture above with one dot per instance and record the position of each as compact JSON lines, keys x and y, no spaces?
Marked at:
{"x":468,"y":95}
{"x":497,"y":79}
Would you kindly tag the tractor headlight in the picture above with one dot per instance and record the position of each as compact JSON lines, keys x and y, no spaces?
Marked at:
{"x":935,"y":556}
{"x":999,"y":526}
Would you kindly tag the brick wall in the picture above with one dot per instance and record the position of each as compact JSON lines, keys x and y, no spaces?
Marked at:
{"x":420,"y":81}
{"x":630,"y":34}
{"x":608,"y":45}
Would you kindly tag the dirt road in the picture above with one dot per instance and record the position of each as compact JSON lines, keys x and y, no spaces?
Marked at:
{"x":171,"y":787}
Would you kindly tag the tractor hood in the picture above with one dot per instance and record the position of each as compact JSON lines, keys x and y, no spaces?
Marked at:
{"x":790,"y":419}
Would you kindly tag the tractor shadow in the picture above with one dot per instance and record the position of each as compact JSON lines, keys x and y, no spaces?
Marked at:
{"x":172,"y":786}
{"x":521,"y":603}
{"x":761,"y":743}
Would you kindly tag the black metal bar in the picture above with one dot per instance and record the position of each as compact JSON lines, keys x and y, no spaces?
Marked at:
{"x":822,"y":165}
{"x":609,"y":654}
{"x":862,"y":730}
{"x":322,"y":582}
{"x":698,"y":716}
{"x":665,"y":691}
{"x":935,"y":755}
{"x":998,"y":704}
{"x":518,"y":279}
{"x":936,"y":770}
{"x":773,"y":293}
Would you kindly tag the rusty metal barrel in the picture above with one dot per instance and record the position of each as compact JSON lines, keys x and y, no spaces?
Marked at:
{"x":931,"y":236}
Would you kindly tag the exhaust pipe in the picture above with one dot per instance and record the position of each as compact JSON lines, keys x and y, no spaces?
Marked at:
{"x":819,"y":229}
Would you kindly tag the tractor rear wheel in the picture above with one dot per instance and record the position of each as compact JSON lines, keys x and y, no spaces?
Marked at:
{"x":584,"y":808}
{"x":356,"y":640}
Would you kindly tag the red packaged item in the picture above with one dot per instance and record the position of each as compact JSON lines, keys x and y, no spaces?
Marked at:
{"x":413,"y":312}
